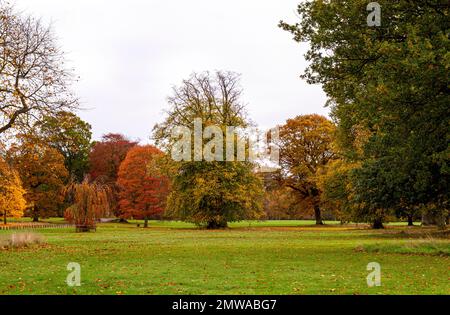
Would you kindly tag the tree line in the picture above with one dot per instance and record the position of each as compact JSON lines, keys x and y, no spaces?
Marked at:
{"x":383,"y":154}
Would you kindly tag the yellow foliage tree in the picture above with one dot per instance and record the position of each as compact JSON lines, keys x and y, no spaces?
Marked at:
{"x":12,"y":201}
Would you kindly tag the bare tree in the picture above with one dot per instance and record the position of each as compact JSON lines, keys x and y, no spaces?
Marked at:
{"x":33,"y":80}
{"x":213,"y":97}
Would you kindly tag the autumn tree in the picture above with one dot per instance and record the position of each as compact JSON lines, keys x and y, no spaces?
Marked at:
{"x":106,"y":156}
{"x":283,"y":203}
{"x":12,"y":201}
{"x":33,"y":80}
{"x":209,"y":192}
{"x":143,"y":189}
{"x":305,"y":144}
{"x":104,"y":162}
{"x":43,"y":175}
{"x":71,"y":136}
{"x":335,"y":181}
{"x":392,"y":82}
{"x":89,"y":202}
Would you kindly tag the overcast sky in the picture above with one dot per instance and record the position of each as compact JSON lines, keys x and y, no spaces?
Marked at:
{"x":129,"y":54}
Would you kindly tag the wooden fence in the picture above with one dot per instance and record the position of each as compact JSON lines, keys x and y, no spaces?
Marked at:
{"x":33,"y":226}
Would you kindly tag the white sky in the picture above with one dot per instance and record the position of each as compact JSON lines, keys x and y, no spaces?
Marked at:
{"x":129,"y":54}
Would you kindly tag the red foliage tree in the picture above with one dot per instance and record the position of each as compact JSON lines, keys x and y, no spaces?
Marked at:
{"x":106,"y":156}
{"x":143,"y":189}
{"x":104,"y":160}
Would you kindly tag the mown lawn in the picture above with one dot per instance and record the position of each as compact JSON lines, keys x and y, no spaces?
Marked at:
{"x":269,"y":257}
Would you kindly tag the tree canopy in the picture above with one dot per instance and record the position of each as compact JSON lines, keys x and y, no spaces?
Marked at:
{"x":71,"y":136}
{"x":33,"y":79}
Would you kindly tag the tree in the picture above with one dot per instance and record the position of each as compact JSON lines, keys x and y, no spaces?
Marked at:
{"x":106,"y":156}
{"x":143,"y":189}
{"x":89,"y":202}
{"x":209,"y":193}
{"x":335,"y":181}
{"x":104,"y":162}
{"x":306,"y":145}
{"x":33,"y":80}
{"x":43,"y":175}
{"x":284,"y":204}
{"x":392,"y":83}
{"x":71,"y":136}
{"x":12,"y":201}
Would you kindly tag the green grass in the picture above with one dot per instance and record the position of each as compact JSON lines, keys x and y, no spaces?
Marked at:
{"x":420,"y":247}
{"x":268,"y":257}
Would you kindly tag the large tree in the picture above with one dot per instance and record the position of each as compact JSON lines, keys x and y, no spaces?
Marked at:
{"x":43,"y":175}
{"x":33,"y":80}
{"x":71,"y":136}
{"x":305,"y":144}
{"x":209,"y":192}
{"x":389,"y":83}
{"x":143,"y":189}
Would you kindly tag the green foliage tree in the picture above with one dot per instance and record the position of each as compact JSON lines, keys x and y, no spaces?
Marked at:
{"x":71,"y":136}
{"x":209,"y":193}
{"x":391,"y":84}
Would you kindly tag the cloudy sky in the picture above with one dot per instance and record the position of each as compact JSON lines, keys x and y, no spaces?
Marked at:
{"x":129,"y":54}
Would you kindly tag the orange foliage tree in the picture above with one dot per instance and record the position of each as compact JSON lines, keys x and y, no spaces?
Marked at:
{"x":306,"y":146}
{"x":43,"y":174}
{"x":143,"y":188}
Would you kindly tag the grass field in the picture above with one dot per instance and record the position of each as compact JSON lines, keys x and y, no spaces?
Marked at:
{"x":269,"y":257}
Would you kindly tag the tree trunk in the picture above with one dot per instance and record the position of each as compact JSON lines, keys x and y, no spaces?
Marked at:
{"x":318,"y":215}
{"x":378,"y":223}
{"x":214,"y":225}
{"x":410,"y":220}
{"x":4,"y":217}
{"x":35,"y":215}
{"x":145,"y":222}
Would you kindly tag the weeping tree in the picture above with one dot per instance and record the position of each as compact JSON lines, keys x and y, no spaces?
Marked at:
{"x":89,"y":202}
